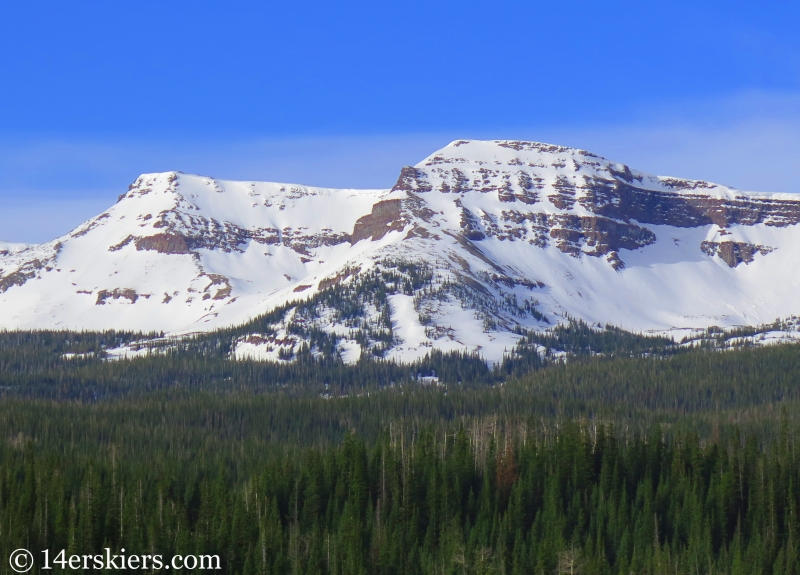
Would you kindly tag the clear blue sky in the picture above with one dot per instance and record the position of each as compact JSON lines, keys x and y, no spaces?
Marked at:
{"x":345,"y":93}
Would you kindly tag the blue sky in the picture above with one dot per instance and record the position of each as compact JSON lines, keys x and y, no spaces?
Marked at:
{"x":345,"y":93}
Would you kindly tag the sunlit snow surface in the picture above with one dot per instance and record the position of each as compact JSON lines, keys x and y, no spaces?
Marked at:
{"x":12,"y":247}
{"x":261,"y":245}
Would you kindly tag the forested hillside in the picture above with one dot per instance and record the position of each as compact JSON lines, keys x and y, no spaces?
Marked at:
{"x":568,"y":499}
{"x":73,"y":365}
{"x":584,"y":451}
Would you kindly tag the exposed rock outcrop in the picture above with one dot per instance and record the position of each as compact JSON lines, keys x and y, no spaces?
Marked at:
{"x":164,"y":244}
{"x":386,"y":216}
{"x":620,"y":200}
{"x":495,"y":237}
{"x":470,"y":225}
{"x":20,"y":276}
{"x":118,"y":293}
{"x":734,"y":253}
{"x":602,"y":235}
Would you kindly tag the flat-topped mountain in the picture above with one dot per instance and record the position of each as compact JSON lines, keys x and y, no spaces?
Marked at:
{"x":472,"y":245}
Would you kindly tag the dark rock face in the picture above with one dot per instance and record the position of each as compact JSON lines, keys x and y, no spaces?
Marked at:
{"x":528,"y":187}
{"x":164,"y":244}
{"x":513,"y":186}
{"x":227,"y":237}
{"x":564,"y":198}
{"x":338,"y":278}
{"x":512,"y":282}
{"x":222,"y":285}
{"x":601,"y":234}
{"x":416,"y":207}
{"x":734,"y":253}
{"x":117,"y":293}
{"x":20,"y":276}
{"x":513,"y":227}
{"x":620,"y":200}
{"x":386,"y":216}
{"x":412,"y":180}
{"x":29,"y":270}
{"x":470,"y":224}
{"x":570,"y":233}
{"x":535,"y":147}
{"x":460,"y":183}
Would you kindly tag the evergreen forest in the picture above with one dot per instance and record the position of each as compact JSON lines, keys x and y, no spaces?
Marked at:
{"x":600,"y":452}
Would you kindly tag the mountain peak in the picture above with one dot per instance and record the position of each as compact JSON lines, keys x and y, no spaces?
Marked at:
{"x":477,"y":242}
{"x":502,"y":152}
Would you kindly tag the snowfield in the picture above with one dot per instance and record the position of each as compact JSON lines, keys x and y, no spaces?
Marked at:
{"x":508,"y":236}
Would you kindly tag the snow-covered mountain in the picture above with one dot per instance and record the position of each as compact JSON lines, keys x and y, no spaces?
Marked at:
{"x":7,"y":248}
{"x":478,"y":240}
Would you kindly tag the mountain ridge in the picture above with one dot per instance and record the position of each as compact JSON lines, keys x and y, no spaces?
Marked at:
{"x":472,"y":246}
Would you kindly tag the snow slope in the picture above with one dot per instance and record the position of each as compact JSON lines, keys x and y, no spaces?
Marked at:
{"x":12,"y":247}
{"x":507,"y":234}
